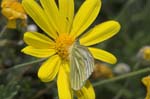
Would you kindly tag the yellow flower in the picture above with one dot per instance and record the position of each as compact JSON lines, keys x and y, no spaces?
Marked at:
{"x":146,"y":82}
{"x":63,"y":28}
{"x":13,"y":10}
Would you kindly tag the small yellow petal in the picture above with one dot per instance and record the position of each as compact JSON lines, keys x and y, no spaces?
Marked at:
{"x":103,"y":55}
{"x":100,"y":33}
{"x":66,"y":9}
{"x":40,"y":53}
{"x":49,"y":69}
{"x":146,"y":82}
{"x":87,"y":92}
{"x":85,"y":16}
{"x":39,"y":16}
{"x":63,"y":83}
{"x":38,"y":40}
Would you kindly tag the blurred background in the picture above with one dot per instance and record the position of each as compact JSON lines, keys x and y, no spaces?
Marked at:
{"x":131,"y":46}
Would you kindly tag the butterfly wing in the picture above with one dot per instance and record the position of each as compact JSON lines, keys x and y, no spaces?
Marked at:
{"x":82,"y":65}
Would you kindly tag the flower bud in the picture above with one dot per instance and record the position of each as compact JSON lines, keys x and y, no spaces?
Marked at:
{"x":121,"y":68}
{"x":144,"y":54}
{"x":101,"y":70}
{"x":13,"y":11}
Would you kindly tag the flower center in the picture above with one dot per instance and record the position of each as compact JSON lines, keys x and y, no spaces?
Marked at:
{"x":63,"y":43}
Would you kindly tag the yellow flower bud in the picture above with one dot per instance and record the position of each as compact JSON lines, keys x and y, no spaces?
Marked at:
{"x":144,"y":55}
{"x":102,"y":71}
{"x":13,"y":10}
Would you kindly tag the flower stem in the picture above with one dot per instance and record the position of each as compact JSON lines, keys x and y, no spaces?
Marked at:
{"x":25,"y":64}
{"x":134,"y":73}
{"x":2,"y":31}
{"x":126,"y":84}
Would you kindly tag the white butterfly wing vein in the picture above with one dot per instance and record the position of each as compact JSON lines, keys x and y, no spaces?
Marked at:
{"x":82,"y":65}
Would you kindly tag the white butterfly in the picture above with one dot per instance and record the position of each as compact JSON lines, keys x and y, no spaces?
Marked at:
{"x":82,"y":65}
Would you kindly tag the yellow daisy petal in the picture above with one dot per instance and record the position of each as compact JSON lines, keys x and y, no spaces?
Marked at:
{"x":38,"y":40}
{"x":39,"y":16}
{"x":40,"y":53}
{"x":87,"y":92}
{"x":49,"y":69}
{"x":85,"y":16}
{"x":100,"y":33}
{"x":51,"y":11}
{"x":103,"y":55}
{"x":53,"y":14}
{"x":66,"y":9}
{"x":63,"y":83}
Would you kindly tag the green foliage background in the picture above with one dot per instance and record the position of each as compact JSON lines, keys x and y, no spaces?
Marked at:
{"x":22,"y":83}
